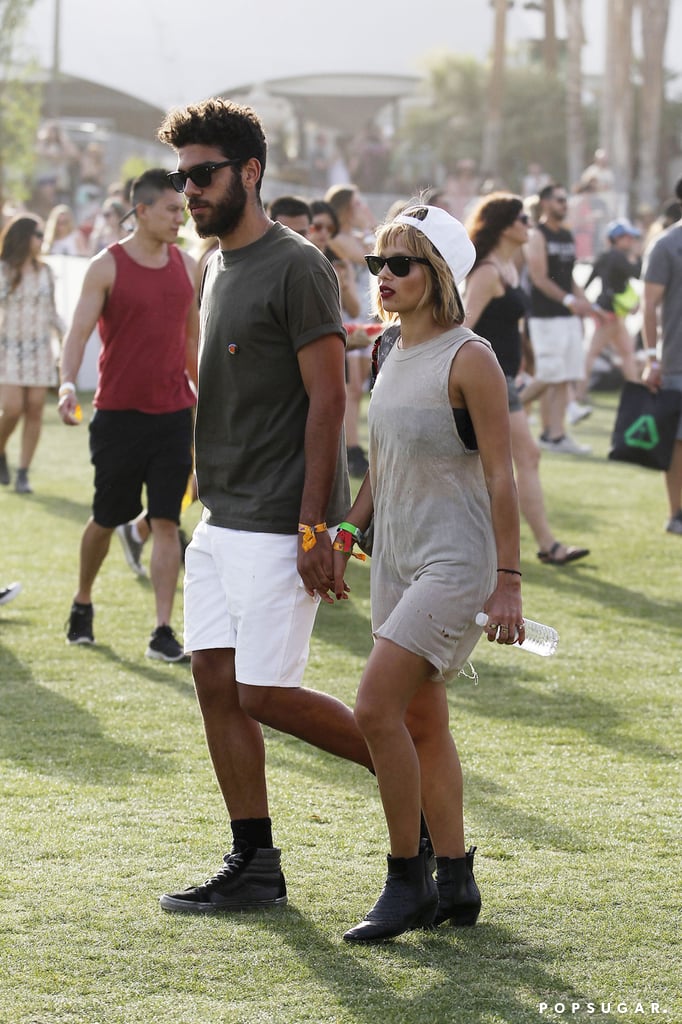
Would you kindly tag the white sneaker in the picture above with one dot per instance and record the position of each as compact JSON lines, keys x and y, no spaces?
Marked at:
{"x":577,"y":412}
{"x":566,"y":445}
{"x":13,"y":590}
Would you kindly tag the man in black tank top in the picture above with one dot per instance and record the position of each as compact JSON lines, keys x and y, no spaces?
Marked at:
{"x":557,"y":305}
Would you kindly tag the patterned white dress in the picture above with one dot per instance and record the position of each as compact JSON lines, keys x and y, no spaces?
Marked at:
{"x":28,"y":322}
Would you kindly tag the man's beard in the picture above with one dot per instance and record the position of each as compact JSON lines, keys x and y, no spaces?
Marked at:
{"x":225,"y":215}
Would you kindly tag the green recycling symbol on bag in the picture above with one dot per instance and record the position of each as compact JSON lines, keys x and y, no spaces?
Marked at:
{"x":643,"y":433}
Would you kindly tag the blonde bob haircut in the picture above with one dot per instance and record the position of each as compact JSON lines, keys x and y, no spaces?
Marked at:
{"x":440,"y":292}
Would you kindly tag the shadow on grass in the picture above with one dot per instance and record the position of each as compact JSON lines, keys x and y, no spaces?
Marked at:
{"x":476,"y":974}
{"x":64,"y":508}
{"x":176,"y":675}
{"x":597,"y":593}
{"x":504,"y":697}
{"x":46,"y":732}
{"x":495,"y":806}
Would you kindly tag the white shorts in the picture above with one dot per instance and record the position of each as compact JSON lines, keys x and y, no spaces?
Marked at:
{"x":243,"y":591}
{"x":558,"y":348}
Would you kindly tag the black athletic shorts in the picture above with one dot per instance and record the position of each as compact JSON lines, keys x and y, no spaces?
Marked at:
{"x":132,"y":449}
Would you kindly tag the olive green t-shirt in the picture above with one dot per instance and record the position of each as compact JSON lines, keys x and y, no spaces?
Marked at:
{"x":259,"y":306}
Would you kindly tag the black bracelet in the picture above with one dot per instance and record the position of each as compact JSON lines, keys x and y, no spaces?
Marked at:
{"x":512,"y":572}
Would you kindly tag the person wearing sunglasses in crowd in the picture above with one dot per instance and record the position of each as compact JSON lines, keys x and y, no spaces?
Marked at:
{"x":323,"y":228}
{"x":28,"y":324}
{"x":495,"y":305}
{"x":272,"y":477}
{"x":142,"y":294}
{"x":441,"y":491}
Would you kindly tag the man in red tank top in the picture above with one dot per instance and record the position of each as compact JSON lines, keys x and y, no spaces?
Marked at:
{"x":142,"y":294}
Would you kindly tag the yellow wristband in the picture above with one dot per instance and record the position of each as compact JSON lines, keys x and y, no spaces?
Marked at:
{"x":309,"y":538}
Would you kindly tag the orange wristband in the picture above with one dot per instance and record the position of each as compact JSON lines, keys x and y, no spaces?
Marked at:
{"x":308,"y":532}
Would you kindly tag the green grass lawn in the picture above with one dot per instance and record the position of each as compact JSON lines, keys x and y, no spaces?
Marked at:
{"x":572,"y":794}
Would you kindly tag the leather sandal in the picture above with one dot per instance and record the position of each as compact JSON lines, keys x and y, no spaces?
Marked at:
{"x":552,"y":558}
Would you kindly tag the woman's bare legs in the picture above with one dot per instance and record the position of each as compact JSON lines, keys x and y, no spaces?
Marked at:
{"x":403,"y":716}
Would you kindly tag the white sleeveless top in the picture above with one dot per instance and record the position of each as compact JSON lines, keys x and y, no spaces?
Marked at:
{"x":434,"y":556}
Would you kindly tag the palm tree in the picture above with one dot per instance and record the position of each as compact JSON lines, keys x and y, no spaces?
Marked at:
{"x":615,"y":128}
{"x":492,"y":130}
{"x":575,"y":142}
{"x":655,"y":16}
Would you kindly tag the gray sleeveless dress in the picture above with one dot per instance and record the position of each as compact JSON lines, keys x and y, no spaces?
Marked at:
{"x":434,"y":558}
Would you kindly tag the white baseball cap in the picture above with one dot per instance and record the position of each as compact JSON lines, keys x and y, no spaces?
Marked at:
{"x":446,"y":234}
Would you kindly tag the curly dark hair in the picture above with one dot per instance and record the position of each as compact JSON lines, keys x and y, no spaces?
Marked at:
{"x":15,"y":245}
{"x":489,"y":218}
{"x":235,"y":130}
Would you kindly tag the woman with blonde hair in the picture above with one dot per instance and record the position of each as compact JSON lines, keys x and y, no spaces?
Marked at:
{"x":62,"y":237}
{"x":441,"y":490}
{"x":28,"y":321}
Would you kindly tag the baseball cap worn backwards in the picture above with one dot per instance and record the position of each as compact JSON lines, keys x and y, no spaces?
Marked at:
{"x":618,"y":228}
{"x":446,"y":234}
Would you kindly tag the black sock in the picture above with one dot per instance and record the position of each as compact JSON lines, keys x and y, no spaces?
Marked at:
{"x":253,"y":832}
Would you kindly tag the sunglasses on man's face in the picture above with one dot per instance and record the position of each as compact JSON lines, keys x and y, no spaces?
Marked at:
{"x":200,"y":175}
{"x":398,"y":265}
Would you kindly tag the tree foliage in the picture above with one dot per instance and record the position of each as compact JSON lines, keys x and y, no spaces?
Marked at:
{"x":449,"y":125}
{"x":20,"y":103}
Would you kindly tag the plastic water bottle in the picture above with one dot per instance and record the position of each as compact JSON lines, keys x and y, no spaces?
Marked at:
{"x":540,"y":639}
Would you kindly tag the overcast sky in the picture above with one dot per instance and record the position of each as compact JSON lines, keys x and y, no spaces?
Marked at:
{"x":178,"y":51}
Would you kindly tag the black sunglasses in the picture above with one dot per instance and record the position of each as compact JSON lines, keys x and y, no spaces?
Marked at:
{"x":398,"y":265}
{"x":201,"y":174}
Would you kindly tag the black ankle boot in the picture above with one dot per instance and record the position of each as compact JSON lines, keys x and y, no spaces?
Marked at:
{"x":426,"y":846}
{"x":408,"y":900}
{"x":459,"y":900}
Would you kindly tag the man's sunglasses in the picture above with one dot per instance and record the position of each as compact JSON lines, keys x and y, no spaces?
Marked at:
{"x":200,"y":175}
{"x":398,"y":265}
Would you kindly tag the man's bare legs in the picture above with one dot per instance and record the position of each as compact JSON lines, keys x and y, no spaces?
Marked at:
{"x":164,"y":567}
{"x":93,"y":550}
{"x":234,"y":738}
{"x":232,"y":713}
{"x":553,"y":405}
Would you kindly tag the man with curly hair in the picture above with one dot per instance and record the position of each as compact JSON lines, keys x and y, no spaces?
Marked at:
{"x":271,"y":474}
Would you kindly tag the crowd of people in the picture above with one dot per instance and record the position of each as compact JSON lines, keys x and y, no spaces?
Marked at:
{"x":458,"y":328}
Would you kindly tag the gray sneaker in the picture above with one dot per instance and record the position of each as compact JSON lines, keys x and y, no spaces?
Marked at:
{"x":21,"y":484}
{"x":4,"y":470}
{"x":675,"y":524}
{"x":132,"y":549}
